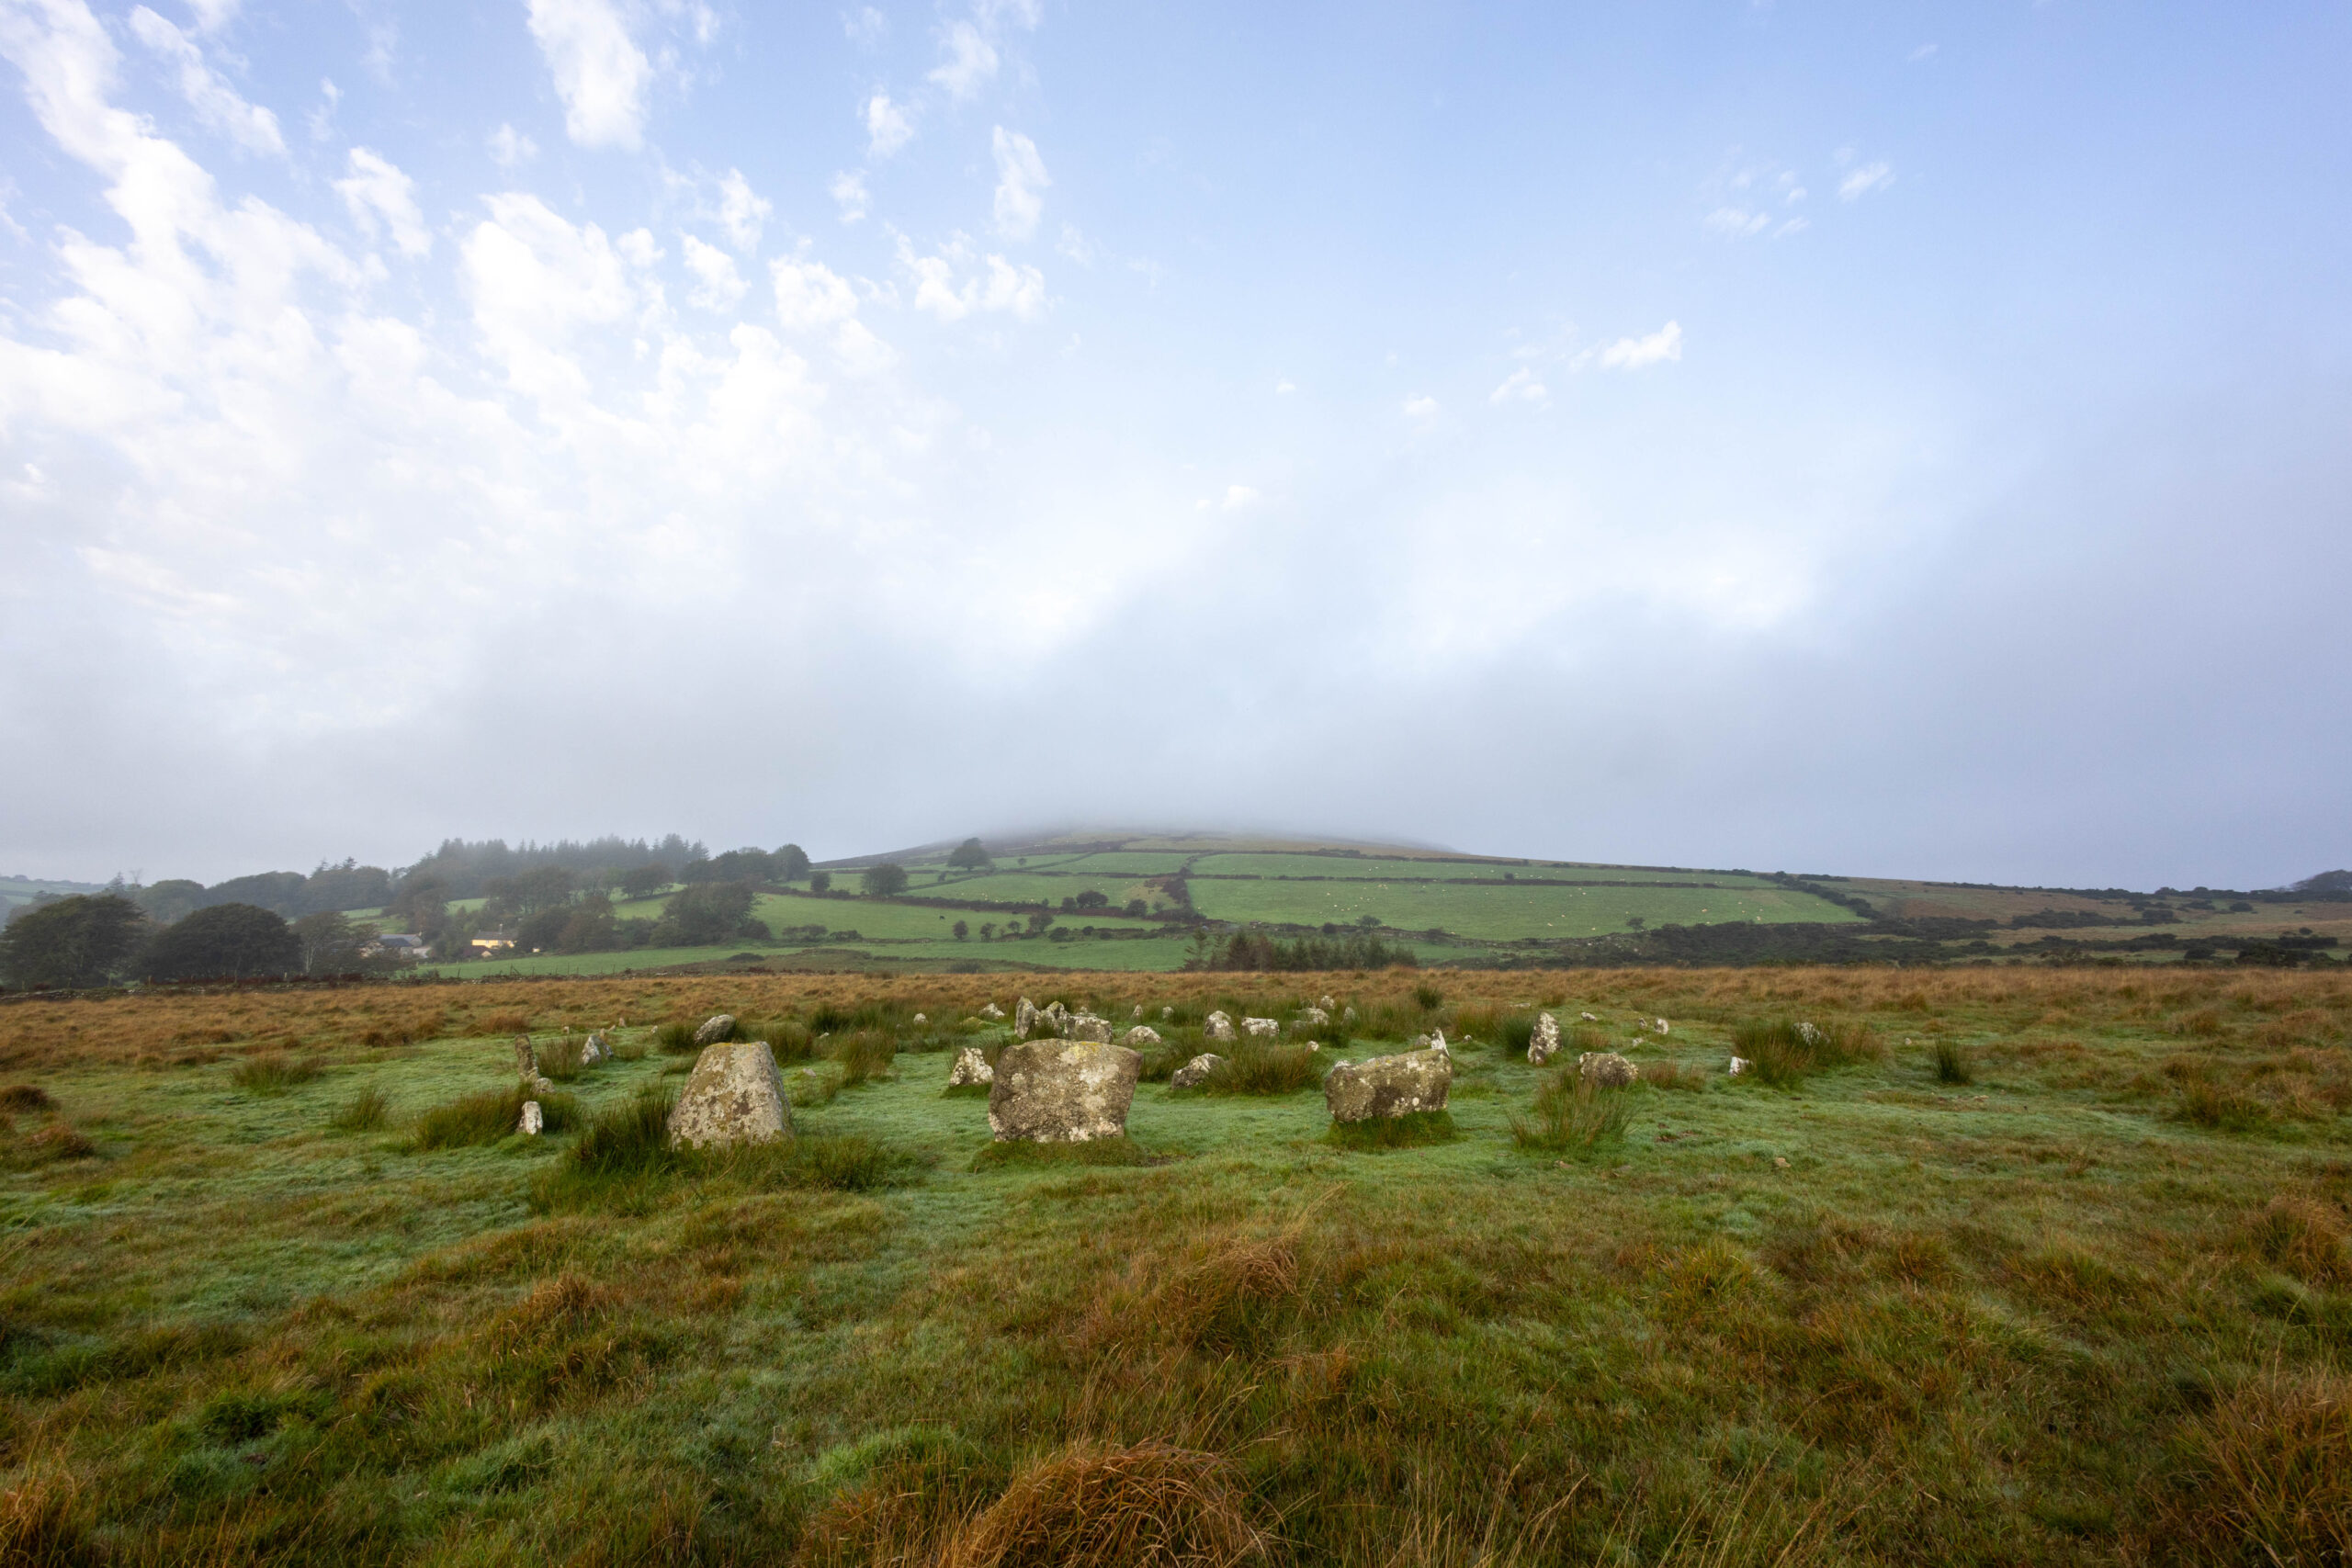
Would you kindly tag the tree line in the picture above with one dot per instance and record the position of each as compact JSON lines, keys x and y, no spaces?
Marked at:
{"x":95,"y":939}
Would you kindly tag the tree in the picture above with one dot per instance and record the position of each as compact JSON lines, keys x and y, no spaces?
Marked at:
{"x":741,"y":865}
{"x":884,"y":880}
{"x":170,"y":900}
{"x":988,"y":930}
{"x":1091,"y":900}
{"x":971,"y":855}
{"x":643,"y":881}
{"x":821,"y":882}
{"x":348,"y":887}
{"x":1038,"y":921}
{"x":704,"y":914}
{"x":223,"y":939}
{"x":791,"y":863}
{"x":281,"y":892}
{"x":420,"y":903}
{"x":330,"y":944}
{"x":961,"y":929}
{"x":78,"y":940}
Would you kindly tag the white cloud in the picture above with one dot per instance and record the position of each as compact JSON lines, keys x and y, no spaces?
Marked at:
{"x":1021,"y":180}
{"x":1861,"y":181}
{"x":1520,"y":386}
{"x":866,"y":27}
{"x":600,"y":72}
{"x":743,"y":212}
{"x":1423,"y":408}
{"x":376,"y":191}
{"x":1738,"y":221}
{"x":717,"y":285}
{"x":639,"y":247}
{"x":1925,"y":51}
{"x":509,"y":147}
{"x":216,"y":103}
{"x":212,"y":15}
{"x":1283,"y":385}
{"x":945,"y":290}
{"x":1632,"y":353}
{"x":849,"y":193}
{"x":1075,"y":245}
{"x":1237,"y":496}
{"x":811,"y":295}
{"x":971,"y":62}
{"x":888,"y":126}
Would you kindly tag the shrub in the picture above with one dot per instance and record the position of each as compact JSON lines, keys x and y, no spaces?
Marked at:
{"x":364,"y":1112}
{"x":1786,"y":1052}
{"x":485,"y":1118}
{"x":275,"y":1072}
{"x":1952,"y":1064}
{"x":1414,"y":1130}
{"x":1572,"y":1115}
{"x":25,"y":1097}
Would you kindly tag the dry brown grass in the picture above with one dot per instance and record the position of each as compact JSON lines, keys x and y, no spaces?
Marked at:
{"x":1148,"y":1505}
{"x":2306,"y":1236}
{"x":2269,"y":1474}
{"x":40,"y":1522}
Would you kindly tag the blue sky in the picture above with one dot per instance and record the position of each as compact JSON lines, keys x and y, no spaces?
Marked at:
{"x":1900,"y":439}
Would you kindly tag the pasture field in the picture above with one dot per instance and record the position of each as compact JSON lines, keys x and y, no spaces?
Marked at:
{"x":2053,"y":1268}
{"x":1504,"y":912}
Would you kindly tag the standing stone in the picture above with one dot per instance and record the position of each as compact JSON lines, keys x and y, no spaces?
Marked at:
{"x":735,"y":1096}
{"x":526,"y":1061}
{"x":1054,"y":1091}
{"x":1348,"y":1016}
{"x":717,"y":1027}
{"x":1260,"y":1028}
{"x":1433,"y":1041}
{"x":1389,"y":1085}
{"x":1024,"y":1018}
{"x":533,"y":1120}
{"x":920,"y":1019}
{"x":1218,"y":1028}
{"x":1167,"y":1015}
{"x":1327,"y":1004}
{"x":1607,"y":1069}
{"x":1055,"y":1016}
{"x":1808,"y":1033}
{"x":595,"y":1051}
{"x":1661,"y":1026}
{"x":1196,"y":1071}
{"x":1740,"y":1065}
{"x":992,"y":1011}
{"x":1588,"y":1018}
{"x":1136,"y":1014}
{"x":1546,"y":1040}
{"x":1086,"y":1026}
{"x":1316,"y":1016}
{"x":1139,"y":1037}
{"x":970,"y":1068}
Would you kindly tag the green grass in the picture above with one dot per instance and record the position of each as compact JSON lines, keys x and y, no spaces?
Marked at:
{"x":1504,"y":912}
{"x":2093,"y":1309}
{"x":1417,"y":1130}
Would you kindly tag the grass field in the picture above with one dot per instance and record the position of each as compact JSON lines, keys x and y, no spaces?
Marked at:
{"x":2054,"y":1270}
{"x":1502,"y":912}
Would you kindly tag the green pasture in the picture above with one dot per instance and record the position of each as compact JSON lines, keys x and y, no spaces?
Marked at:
{"x":1504,"y":912}
{"x":1411,"y":870}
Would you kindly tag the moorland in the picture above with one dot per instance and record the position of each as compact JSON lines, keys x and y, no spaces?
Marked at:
{"x":2022,"y":1265}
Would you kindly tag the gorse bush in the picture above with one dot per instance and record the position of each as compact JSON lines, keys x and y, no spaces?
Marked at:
{"x":1787,"y":1051}
{"x":485,"y":1118}
{"x":1572,"y":1115}
{"x":274,"y":1072}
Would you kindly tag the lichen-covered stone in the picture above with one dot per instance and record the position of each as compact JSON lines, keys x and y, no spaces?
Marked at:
{"x":1740,"y":1065}
{"x":1141,"y":1036}
{"x":1195,"y":1072}
{"x":1024,"y":1018}
{"x":1545,"y":1041}
{"x":1607,"y":1069}
{"x":971,"y":1067}
{"x":526,"y":1061}
{"x":1218,"y":1028}
{"x":992,"y":1011}
{"x":1062,"y":1091}
{"x":734,"y":1096}
{"x":1401,"y":1085}
{"x":717,"y":1027}
{"x":1085,"y":1026}
{"x":595,"y":1050}
{"x":534,"y":1120}
{"x":1315,"y":1017}
{"x":1433,"y":1041}
{"x":1260,"y":1028}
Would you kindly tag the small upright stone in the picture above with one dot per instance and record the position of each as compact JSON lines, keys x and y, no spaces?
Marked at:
{"x":1607,"y":1069}
{"x":1545,"y":1041}
{"x":1085,"y":1026}
{"x":921,"y":1019}
{"x":1057,"y":1091}
{"x":526,"y":1061}
{"x":717,"y":1027}
{"x":533,"y":1122}
{"x":1167,"y":1015}
{"x":1809,"y":1033}
{"x":1316,"y":1016}
{"x":734,"y":1096}
{"x":1740,"y":1065}
{"x":971,"y":1067}
{"x":1389,"y":1085}
{"x":1194,"y":1073}
{"x":1024,"y":1018}
{"x":1260,"y":1028}
{"x":596,"y":1050}
{"x":1661,"y":1026}
{"x":1327,"y":1004}
{"x":992,"y":1011}
{"x":1136,"y":1014}
{"x":1218,"y":1028}
{"x":1141,"y":1036}
{"x":1588,"y":1018}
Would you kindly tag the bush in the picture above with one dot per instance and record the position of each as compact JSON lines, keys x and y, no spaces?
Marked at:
{"x":1786,"y":1052}
{"x":1415,"y":1130}
{"x":1952,"y":1064}
{"x":488,"y":1117}
{"x":1573,"y":1115}
{"x":275,"y":1072}
{"x":364,"y":1112}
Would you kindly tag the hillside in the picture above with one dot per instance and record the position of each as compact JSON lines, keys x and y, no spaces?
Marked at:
{"x":1155,"y":900}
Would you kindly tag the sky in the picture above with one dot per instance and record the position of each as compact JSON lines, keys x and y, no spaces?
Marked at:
{"x":1892,"y":439}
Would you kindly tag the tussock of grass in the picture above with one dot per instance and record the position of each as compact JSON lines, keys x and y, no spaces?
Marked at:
{"x":1517,"y":1033}
{"x":1148,"y":1504}
{"x":1414,"y":1130}
{"x":560,"y":1059}
{"x":1256,"y":1067}
{"x":274,"y":1072}
{"x":2222,"y":1109}
{"x":25,"y":1097}
{"x":365,"y":1110}
{"x":487,"y":1117}
{"x":864,"y":1054}
{"x":2268,"y":1473}
{"x":1672,"y":1074}
{"x":965,"y":1091}
{"x":41,"y":1524}
{"x":1572,"y":1115}
{"x":1018,"y":1154}
{"x":2306,"y":1236}
{"x":1952,"y":1065}
{"x":676,"y":1039}
{"x":788,"y":1039}
{"x":1785,"y":1055}
{"x":1427,"y":997}
{"x":57,"y":1142}
{"x":632,"y":1142}
{"x":627,"y":1140}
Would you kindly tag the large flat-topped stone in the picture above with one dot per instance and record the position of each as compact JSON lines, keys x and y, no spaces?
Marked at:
{"x":1062,"y":1091}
